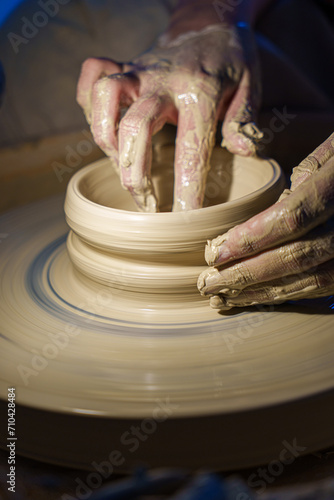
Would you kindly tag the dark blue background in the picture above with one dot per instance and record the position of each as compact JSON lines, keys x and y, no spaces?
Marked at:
{"x":6,"y":6}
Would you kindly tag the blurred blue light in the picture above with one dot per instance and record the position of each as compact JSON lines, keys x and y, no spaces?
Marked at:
{"x":6,"y":7}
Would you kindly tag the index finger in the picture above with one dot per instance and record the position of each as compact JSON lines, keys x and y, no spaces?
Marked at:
{"x":91,"y":71}
{"x":146,"y":116}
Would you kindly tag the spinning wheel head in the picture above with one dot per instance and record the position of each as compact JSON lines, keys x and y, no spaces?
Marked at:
{"x":80,"y":345}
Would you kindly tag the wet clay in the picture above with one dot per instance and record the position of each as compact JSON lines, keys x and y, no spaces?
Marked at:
{"x":115,"y":323}
{"x":112,"y":349}
{"x":163,"y":252}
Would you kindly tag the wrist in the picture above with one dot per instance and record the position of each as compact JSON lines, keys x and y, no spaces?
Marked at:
{"x":195,"y":15}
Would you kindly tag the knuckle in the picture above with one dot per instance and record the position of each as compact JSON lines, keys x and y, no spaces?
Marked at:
{"x":325,"y":278}
{"x":91,"y":63}
{"x":295,"y":257}
{"x":309,"y":165}
{"x":129,"y":124}
{"x":114,"y":84}
{"x":134,"y":123}
{"x":293,"y":219}
{"x":143,"y":115}
{"x":243,"y":275}
{"x":248,"y":245}
{"x":101,"y":85}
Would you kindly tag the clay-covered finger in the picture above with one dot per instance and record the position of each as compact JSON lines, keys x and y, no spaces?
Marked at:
{"x":313,"y":162}
{"x":197,"y":123}
{"x":108,"y":96}
{"x":240,"y":132}
{"x":144,"y":118}
{"x":91,"y":71}
{"x":309,"y":206}
{"x":317,"y":282}
{"x":292,"y":258}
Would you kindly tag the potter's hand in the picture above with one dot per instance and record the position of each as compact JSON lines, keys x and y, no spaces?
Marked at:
{"x":190,"y":80}
{"x":283,"y":253}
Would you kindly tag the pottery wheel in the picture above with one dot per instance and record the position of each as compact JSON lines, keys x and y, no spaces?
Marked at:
{"x":75,"y":346}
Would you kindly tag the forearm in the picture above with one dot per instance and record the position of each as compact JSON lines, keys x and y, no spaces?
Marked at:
{"x":195,"y":15}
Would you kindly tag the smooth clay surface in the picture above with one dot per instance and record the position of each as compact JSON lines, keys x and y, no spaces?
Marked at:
{"x":115,"y":245}
{"x":125,"y":327}
{"x":140,"y":330}
{"x":74,"y":345}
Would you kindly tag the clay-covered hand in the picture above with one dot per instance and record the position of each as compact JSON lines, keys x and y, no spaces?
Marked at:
{"x":283,"y":253}
{"x":190,"y":81}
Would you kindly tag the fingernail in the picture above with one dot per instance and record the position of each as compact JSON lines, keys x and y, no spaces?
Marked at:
{"x":251,"y":130}
{"x":201,"y":281}
{"x":217,"y":302}
{"x":208,"y":279}
{"x":126,"y":157}
{"x":215,"y":251}
{"x":146,"y":202}
{"x":211,"y":253}
{"x":231,"y":292}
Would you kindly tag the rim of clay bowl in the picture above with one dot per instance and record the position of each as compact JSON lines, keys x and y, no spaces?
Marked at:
{"x":163,"y":232}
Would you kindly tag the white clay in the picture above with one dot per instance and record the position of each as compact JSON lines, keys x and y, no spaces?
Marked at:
{"x":114,"y":334}
{"x":119,"y":351}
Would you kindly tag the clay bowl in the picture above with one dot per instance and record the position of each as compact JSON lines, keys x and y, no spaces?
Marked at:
{"x":112,"y":243}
